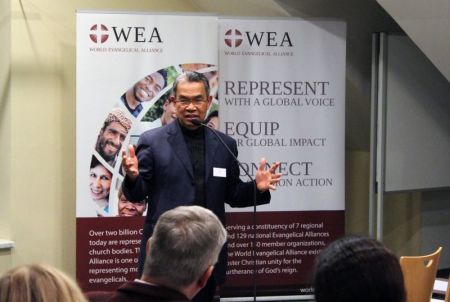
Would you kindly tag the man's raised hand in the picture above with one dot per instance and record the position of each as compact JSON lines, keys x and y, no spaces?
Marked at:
{"x":130,"y":163}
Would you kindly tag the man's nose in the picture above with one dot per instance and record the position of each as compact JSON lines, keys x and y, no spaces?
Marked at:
{"x":191,"y":107}
{"x":129,"y":205}
{"x":116,"y":140}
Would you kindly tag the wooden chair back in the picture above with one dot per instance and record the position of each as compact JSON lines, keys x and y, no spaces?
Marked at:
{"x":447,"y":293}
{"x":419,"y":273}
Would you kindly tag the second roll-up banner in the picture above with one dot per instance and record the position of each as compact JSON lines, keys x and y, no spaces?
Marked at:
{"x":282,"y":96}
{"x":279,"y":91}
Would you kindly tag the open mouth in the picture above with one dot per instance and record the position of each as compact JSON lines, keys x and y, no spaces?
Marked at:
{"x":97,"y":196}
{"x":96,"y":192}
{"x":110,"y":148}
{"x":142,"y":92}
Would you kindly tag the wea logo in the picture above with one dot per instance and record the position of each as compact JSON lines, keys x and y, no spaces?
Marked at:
{"x":99,"y":33}
{"x":234,"y":38}
{"x":233,"y":35}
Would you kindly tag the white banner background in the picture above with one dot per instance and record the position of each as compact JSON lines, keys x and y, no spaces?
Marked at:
{"x":317,"y":55}
{"x":282,"y":96}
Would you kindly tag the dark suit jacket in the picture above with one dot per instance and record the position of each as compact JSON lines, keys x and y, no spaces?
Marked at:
{"x":133,"y":291}
{"x":166,"y":176}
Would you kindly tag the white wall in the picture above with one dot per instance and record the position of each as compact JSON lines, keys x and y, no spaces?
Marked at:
{"x":5,"y":129}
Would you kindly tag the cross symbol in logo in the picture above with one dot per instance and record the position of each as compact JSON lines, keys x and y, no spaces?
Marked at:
{"x":236,"y":37}
{"x":98,"y":30}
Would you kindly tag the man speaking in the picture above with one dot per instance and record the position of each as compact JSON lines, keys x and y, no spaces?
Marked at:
{"x":184,"y":163}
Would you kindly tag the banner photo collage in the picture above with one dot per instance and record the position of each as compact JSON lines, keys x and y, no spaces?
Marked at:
{"x":279,"y":88}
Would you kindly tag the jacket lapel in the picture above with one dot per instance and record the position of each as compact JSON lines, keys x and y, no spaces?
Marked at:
{"x":211,"y":145}
{"x":176,"y":140}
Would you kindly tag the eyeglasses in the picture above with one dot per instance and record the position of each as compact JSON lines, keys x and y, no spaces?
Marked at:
{"x":195,"y":102}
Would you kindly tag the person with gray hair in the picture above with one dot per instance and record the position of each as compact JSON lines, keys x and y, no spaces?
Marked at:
{"x":181,"y":255}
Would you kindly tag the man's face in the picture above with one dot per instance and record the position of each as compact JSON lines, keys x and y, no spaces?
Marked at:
{"x":147,"y":88}
{"x":191,"y":102}
{"x":169,"y":114}
{"x":128,"y":208}
{"x":99,"y":182}
{"x":110,"y":140}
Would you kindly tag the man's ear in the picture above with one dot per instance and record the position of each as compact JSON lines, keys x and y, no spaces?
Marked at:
{"x":204,"y":278}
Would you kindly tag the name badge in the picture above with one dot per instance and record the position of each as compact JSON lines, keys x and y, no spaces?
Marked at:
{"x":219,"y":172}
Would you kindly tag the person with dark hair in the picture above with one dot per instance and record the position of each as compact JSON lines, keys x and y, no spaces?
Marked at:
{"x":183,"y":161}
{"x":354,"y":269}
{"x":181,"y":255}
{"x":143,"y":91}
{"x":112,"y":135}
{"x":100,"y":184}
{"x":127,"y":208}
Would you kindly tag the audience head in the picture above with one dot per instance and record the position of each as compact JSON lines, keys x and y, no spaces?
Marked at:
{"x":185,"y":245}
{"x":356,"y":268}
{"x":38,"y":283}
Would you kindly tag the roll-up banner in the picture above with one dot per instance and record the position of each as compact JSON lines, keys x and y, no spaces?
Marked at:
{"x":126,"y":65}
{"x":282,"y":97}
